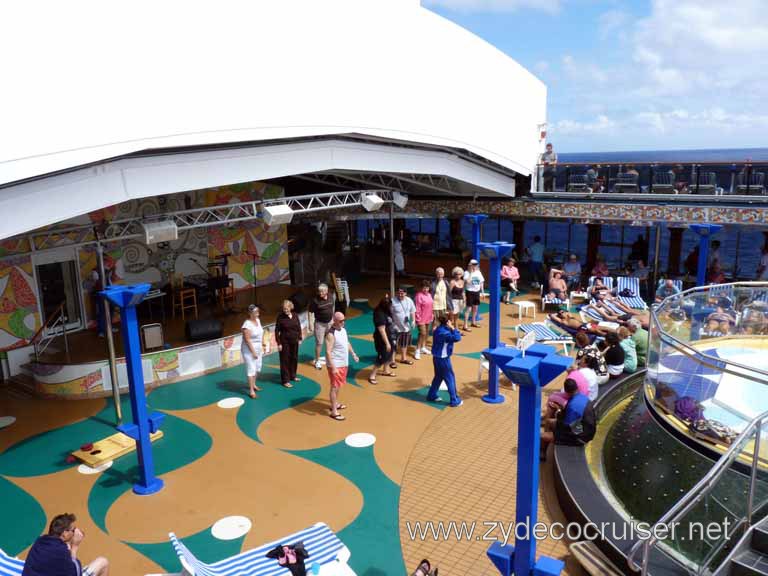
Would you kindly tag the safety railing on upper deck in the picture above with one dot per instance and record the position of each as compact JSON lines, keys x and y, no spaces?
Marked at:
{"x":684,"y":181}
{"x":706,"y":371}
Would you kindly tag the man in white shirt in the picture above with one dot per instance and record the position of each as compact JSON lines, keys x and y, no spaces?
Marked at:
{"x":473,"y":290}
{"x":572,"y":270}
{"x":337,"y":350}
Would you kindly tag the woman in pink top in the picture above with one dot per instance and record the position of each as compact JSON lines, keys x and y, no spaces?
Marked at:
{"x":558,"y":400}
{"x":509,"y":277}
{"x":424,"y":317}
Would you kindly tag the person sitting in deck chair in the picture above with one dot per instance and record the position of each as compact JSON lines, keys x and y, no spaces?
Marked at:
{"x":575,"y":425}
{"x":570,"y":320}
{"x":56,"y":552}
{"x":558,"y":288}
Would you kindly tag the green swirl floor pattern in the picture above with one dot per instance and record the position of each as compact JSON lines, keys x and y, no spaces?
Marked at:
{"x":373,"y":537}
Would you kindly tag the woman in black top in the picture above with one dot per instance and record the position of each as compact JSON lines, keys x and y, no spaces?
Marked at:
{"x":288,"y":337}
{"x":383,"y":340}
{"x":614,"y":355}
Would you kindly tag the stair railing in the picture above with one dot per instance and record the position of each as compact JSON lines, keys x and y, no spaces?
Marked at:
{"x":55,"y":324}
{"x":746,"y":445}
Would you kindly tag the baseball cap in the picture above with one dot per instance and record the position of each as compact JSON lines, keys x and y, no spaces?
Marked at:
{"x":473,"y":261}
{"x":252,"y":307}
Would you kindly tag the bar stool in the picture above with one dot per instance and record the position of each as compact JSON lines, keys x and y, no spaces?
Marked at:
{"x":182,"y":298}
{"x":227,"y":294}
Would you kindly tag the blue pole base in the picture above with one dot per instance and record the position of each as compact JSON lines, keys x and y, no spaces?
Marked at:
{"x":154,"y":485}
{"x":498,"y":399}
{"x":548,"y":567}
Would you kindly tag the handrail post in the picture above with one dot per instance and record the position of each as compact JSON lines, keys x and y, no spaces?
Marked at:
{"x":64,"y":331}
{"x":110,"y":341}
{"x":753,"y":475}
{"x":646,"y":554}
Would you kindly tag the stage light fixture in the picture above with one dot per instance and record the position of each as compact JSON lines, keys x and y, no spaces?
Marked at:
{"x":278,"y":214}
{"x":162,"y":231}
{"x":372,"y":202}
{"x":400,"y":200}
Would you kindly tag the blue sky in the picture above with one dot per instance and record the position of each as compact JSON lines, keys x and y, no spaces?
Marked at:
{"x":639,"y":74}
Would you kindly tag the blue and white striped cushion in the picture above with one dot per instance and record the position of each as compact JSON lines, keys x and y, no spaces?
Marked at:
{"x":10,"y":566}
{"x":543,"y":333}
{"x":632,"y":284}
{"x":607,"y":280}
{"x":320,"y":542}
{"x":593,"y":314}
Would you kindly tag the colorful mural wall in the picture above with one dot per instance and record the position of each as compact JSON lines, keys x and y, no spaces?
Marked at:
{"x":19,"y":316}
{"x":134,"y":261}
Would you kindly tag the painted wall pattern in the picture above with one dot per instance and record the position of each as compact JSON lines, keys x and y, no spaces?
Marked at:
{"x":19,"y":315}
{"x":162,"y":367}
{"x":134,"y":261}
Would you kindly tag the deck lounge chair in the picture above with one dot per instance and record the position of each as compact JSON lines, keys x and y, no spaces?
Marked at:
{"x":707,"y":184}
{"x":545,"y":334}
{"x":626,"y":184}
{"x":607,"y":280}
{"x":547,"y":300}
{"x":578,"y":183}
{"x":663,"y":183}
{"x":755,"y":186}
{"x":321,"y":543}
{"x":10,"y":566}
{"x":633,"y":285}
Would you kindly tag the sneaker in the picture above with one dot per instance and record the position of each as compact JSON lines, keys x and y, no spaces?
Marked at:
{"x":457,"y":405}
{"x":318,"y":364}
{"x":417,"y":354}
{"x":426,"y":350}
{"x":436,"y":399}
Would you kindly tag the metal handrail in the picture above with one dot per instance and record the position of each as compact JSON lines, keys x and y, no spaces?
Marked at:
{"x":41,"y":341}
{"x":703,"y":486}
{"x":696,"y":493}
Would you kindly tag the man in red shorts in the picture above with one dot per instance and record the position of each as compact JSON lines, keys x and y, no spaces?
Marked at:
{"x":337,"y":349}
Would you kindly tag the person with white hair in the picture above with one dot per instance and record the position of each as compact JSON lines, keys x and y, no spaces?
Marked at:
{"x":640,"y":336}
{"x":337,"y":350}
{"x":473,"y":286}
{"x":320,"y":317}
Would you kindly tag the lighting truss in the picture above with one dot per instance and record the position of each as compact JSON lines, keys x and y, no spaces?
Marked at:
{"x":131,"y":228}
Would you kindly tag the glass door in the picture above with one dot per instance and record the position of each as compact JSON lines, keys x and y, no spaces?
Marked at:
{"x":58,"y":283}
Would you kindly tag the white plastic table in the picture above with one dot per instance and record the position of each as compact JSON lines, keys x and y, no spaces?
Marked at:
{"x":522,"y":308}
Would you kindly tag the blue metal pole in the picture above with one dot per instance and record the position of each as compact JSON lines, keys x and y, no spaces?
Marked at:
{"x":527,"y":498}
{"x":127,"y":298}
{"x":705,"y":231}
{"x":494,"y":331}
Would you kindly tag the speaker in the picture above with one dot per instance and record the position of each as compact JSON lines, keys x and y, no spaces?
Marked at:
{"x":278,"y":214}
{"x":371,"y":202}
{"x":300,"y":302}
{"x":163,"y":231}
{"x":204,"y":329}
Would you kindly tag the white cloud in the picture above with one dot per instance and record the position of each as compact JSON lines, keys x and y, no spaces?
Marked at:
{"x":494,"y":5}
{"x":612,"y":21}
{"x":601,"y":124}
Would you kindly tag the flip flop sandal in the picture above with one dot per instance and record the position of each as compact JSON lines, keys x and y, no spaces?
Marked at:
{"x":408,"y":362}
{"x":287,"y":385}
{"x":392,"y":374}
{"x":372,"y":381}
{"x":467,"y":329}
{"x":338,"y":417}
{"x":393,"y":365}
{"x":341,"y":407}
{"x":252,"y":395}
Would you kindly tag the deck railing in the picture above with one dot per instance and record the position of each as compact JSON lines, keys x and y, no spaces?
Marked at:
{"x":656,"y":178}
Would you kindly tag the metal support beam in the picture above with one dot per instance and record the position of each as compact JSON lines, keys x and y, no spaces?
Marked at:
{"x":106,"y":306}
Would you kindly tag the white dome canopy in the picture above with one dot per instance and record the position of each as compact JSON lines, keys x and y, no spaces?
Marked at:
{"x":85,"y":82}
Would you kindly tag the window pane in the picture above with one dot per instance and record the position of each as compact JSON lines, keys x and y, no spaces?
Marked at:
{"x":427,"y":225}
{"x":490,"y":231}
{"x":508,"y":231}
{"x":557,"y":241}
{"x":445,"y":233}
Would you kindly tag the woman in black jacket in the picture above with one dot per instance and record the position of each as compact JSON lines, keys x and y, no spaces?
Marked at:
{"x":288,"y":337}
{"x":383,"y":338}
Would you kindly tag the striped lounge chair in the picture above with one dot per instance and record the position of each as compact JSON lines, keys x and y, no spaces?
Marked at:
{"x":632,"y":284}
{"x":10,"y":566}
{"x":607,"y":280}
{"x":321,"y":543}
{"x":545,"y":334}
{"x":546,"y":300}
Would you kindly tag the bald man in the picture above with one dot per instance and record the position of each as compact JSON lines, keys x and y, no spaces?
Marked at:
{"x":337,"y":350}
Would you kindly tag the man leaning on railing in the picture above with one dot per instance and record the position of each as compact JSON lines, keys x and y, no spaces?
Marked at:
{"x":549,"y":161}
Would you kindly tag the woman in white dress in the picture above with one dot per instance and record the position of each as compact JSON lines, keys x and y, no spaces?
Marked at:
{"x":252,"y":348}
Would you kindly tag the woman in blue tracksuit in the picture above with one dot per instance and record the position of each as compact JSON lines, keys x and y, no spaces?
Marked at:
{"x":442,"y":347}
